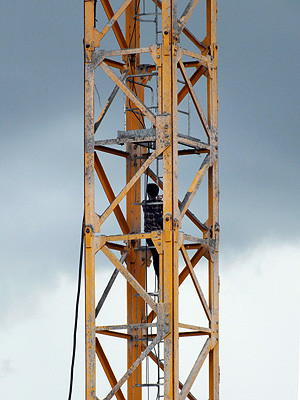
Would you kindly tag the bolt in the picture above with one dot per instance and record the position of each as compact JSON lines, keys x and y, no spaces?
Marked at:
{"x":167,"y":219}
{"x":166,"y":32}
{"x":158,"y":56}
{"x":87,"y":230}
{"x":88,"y":46}
{"x":159,"y":243}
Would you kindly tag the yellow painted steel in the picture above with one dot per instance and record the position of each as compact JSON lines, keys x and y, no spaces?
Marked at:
{"x":146,"y":330}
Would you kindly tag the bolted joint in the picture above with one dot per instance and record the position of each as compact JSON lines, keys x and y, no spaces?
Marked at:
{"x":88,"y":229}
{"x":88,"y":236}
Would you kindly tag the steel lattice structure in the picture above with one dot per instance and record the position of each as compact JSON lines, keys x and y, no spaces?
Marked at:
{"x":156,"y":70}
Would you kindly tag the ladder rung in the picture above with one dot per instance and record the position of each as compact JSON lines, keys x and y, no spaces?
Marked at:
{"x":146,"y":384}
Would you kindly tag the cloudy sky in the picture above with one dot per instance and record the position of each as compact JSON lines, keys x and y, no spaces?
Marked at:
{"x":42,"y":197}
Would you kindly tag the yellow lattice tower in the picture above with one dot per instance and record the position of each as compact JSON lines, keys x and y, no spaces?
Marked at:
{"x":155,"y":78}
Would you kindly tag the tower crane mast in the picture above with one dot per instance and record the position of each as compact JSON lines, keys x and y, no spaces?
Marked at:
{"x":151,"y":68}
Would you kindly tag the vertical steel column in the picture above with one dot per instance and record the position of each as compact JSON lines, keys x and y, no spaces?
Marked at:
{"x":135,"y":304}
{"x":168,"y":102}
{"x":89,"y":205}
{"x":213,"y":198}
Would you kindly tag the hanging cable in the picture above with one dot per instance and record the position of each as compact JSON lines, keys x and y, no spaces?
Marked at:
{"x":76,"y":312}
{"x":95,"y":17}
{"x":98,"y":94}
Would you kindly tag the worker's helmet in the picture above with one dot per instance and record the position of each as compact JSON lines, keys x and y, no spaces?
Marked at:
{"x":152,"y":189}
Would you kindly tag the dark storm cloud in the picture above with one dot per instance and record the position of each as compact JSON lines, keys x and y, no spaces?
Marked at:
{"x":41,"y":136}
{"x":258,"y":120}
{"x":42,"y":206}
{"x":41,"y":46}
{"x":42,"y":133}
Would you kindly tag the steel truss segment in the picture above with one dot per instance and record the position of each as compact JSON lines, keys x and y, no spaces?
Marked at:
{"x":116,"y":28}
{"x":131,"y":236}
{"x":208,"y":244}
{"x":108,"y":370}
{"x":113,"y":19}
{"x":115,"y":64}
{"x":195,"y":370}
{"x":194,"y":143}
{"x":196,"y":283}
{"x":99,"y":329}
{"x":116,"y":334}
{"x":194,"y":186}
{"x":110,"y":194}
{"x":183,"y":274}
{"x":116,"y":246}
{"x":186,"y":15}
{"x":129,"y":93}
{"x":193,"y":79}
{"x":101,"y":55}
{"x":110,"y":100}
{"x":133,"y":367}
{"x":110,"y":284}
{"x":189,"y":141}
{"x":187,"y":33}
{"x":194,"y":260}
{"x":197,"y":329}
{"x":131,"y":280}
{"x":204,"y":60}
{"x":195,"y":99}
{"x":192,"y":327}
{"x":111,"y":150}
{"x":129,"y":185}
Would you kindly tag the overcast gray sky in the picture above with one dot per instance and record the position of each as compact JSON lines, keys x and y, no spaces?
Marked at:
{"x":42,"y":195}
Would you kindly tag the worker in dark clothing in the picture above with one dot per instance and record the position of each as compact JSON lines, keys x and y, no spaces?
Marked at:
{"x":153,"y":220}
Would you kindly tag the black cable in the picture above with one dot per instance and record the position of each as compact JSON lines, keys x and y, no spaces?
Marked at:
{"x":76,"y":312}
{"x":136,"y":116}
{"x":95,"y":18}
{"x":140,"y":120}
{"x":132,"y":109}
{"x":98,"y":94}
{"x":136,"y":6}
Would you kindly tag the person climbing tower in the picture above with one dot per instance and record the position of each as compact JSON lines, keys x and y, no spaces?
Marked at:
{"x":153,"y":220}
